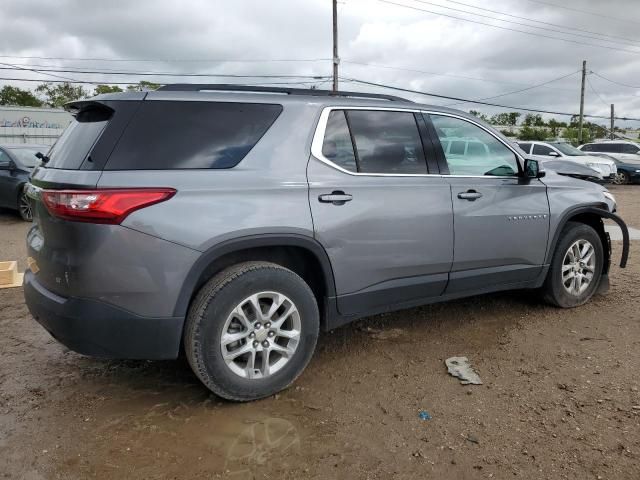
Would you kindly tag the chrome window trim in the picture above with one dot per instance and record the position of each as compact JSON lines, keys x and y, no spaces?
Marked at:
{"x":318,"y":139}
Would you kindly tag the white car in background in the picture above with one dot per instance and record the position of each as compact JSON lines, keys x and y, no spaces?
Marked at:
{"x":565,"y":151}
{"x":624,"y":150}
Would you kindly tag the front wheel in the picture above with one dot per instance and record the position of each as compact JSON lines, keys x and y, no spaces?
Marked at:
{"x":576,"y":267}
{"x":251,"y":330}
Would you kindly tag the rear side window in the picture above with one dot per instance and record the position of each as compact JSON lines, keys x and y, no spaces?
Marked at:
{"x":337,"y":145}
{"x":608,"y":147}
{"x":526,"y":147}
{"x":541,"y":149}
{"x":387,"y":142}
{"x":372,"y":141}
{"x":628,"y":148}
{"x":76,"y":141}
{"x":191,"y":135}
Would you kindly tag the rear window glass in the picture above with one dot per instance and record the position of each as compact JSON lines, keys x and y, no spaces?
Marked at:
{"x":27,"y":156}
{"x":387,"y":142}
{"x":76,"y":141}
{"x":337,"y":145}
{"x":188,"y":135}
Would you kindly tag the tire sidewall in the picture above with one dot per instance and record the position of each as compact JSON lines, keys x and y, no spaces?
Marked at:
{"x":211,"y":323}
{"x":572,"y":234}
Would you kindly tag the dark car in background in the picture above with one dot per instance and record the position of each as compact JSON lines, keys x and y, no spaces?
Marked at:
{"x":627,"y":172}
{"x":16,"y":164}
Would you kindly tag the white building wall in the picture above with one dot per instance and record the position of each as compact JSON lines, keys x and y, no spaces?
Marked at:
{"x":32,"y":125}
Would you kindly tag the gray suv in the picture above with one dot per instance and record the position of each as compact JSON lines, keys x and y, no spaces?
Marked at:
{"x":236,"y":223}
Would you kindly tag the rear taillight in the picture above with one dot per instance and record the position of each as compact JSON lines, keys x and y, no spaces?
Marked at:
{"x":103,"y":205}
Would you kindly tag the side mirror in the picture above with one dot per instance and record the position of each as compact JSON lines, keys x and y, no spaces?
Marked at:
{"x":533,"y":169}
{"x":553,"y":154}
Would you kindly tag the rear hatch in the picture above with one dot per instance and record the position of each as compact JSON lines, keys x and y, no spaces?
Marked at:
{"x":56,"y":247}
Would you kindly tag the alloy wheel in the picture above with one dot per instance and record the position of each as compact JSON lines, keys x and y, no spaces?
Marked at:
{"x":578,"y":267}
{"x":261,"y":335}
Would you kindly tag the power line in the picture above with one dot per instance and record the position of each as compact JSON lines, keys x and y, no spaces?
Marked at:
{"x":585,"y":12}
{"x":404,"y":69}
{"x":86,"y":82}
{"x":522,"y":89}
{"x":18,"y":67}
{"x":613,"y":81}
{"x":169,"y":60}
{"x":510,"y":29}
{"x":597,"y":94}
{"x":541,"y":22}
{"x":526,"y":24}
{"x":467,"y":100}
{"x":314,"y":77}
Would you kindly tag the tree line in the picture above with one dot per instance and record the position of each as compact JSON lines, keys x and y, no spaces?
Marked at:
{"x":56,"y":95}
{"x":535,"y":127}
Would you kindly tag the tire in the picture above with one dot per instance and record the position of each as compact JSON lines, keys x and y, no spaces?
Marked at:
{"x":24,"y":205}
{"x":560,"y":287}
{"x":224,"y":307}
{"x":621,"y":178}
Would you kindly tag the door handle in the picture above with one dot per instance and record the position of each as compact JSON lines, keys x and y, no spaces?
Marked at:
{"x":337,"y":197}
{"x":470,"y":195}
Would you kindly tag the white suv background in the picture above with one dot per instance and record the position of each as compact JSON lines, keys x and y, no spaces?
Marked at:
{"x":554,"y":150}
{"x":624,"y":150}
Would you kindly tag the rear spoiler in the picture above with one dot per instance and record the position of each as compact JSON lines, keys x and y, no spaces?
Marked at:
{"x":98,"y":101}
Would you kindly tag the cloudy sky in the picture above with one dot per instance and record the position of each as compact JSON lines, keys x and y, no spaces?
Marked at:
{"x":439,"y":46}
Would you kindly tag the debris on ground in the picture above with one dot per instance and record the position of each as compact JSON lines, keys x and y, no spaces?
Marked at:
{"x":460,"y":367}
{"x":424,"y":415}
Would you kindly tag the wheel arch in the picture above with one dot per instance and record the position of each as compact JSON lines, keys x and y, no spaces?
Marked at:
{"x":593,"y":216}
{"x":300,"y":253}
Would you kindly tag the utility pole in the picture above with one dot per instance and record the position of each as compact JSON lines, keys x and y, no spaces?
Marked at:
{"x":611,"y":135}
{"x":336,"y":59}
{"x":584,"y":74}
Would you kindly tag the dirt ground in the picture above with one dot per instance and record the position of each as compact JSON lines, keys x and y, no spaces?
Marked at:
{"x":560,"y":397}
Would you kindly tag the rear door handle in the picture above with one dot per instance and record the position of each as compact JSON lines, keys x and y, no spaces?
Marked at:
{"x":336,"y":197}
{"x":470,"y":195}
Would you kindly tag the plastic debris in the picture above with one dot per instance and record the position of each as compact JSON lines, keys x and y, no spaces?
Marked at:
{"x":459,"y":367}
{"x":424,"y":415}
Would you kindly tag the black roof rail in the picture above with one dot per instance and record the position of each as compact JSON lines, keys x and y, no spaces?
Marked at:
{"x":197,"y":87}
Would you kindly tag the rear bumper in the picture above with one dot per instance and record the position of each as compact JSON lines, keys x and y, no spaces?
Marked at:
{"x":98,"y":329}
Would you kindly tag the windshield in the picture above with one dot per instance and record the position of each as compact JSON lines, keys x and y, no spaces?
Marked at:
{"x":568,"y":149}
{"x":26,"y":156}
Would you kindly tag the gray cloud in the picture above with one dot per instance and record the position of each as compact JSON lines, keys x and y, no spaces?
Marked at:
{"x":370,"y":32}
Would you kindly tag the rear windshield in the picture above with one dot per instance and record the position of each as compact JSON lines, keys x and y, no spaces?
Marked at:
{"x":188,"y":135}
{"x":76,"y":141}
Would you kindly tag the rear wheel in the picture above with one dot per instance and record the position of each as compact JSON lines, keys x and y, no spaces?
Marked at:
{"x":576,"y":267}
{"x":251,"y":330}
{"x":24,"y":205}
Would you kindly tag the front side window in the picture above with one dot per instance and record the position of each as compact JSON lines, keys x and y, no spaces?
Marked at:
{"x":472,"y":150}
{"x":541,"y":150}
{"x":587,"y":148}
